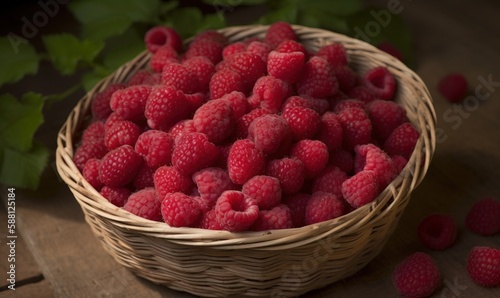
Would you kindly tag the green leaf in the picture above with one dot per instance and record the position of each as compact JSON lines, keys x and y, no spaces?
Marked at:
{"x":286,"y":11}
{"x":123,"y":48}
{"x":212,"y":21}
{"x":19,"y":59}
{"x":19,"y":120}
{"x":234,"y":3}
{"x":90,"y":79}
{"x":66,"y":50}
{"x":185,"y":20}
{"x":168,"y":6}
{"x":322,"y":19}
{"x":333,"y":7}
{"x":23,"y":169}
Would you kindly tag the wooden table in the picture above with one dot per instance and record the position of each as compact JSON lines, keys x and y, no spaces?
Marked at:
{"x":57,"y":255}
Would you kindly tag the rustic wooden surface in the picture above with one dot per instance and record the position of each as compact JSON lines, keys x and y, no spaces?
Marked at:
{"x":58,"y":256}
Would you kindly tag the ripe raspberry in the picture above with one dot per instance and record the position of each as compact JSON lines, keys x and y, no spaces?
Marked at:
{"x":233,"y":48}
{"x":269,"y":93}
{"x":260,"y":49}
{"x":208,"y":48}
{"x":244,"y":122}
{"x":101,"y":103}
{"x":360,"y":189}
{"x":238,"y":103}
{"x":331,"y":131}
{"x":437,"y":231}
{"x":211,"y":35}
{"x":483,"y":266}
{"x":290,"y":46}
{"x":304,"y":123}
{"x":194,"y":152}
{"x":290,"y":173}
{"x":416,"y":276}
{"x":402,"y":140}
{"x":168,"y":179}
{"x":344,"y":104}
{"x":209,"y":221}
{"x":211,"y":183}
{"x":268,"y":133}
{"x":141,"y":77}
{"x":453,"y":87}
{"x":94,"y":133}
{"x":236,"y":211}
{"x":225,"y":81}
{"x":91,"y":173}
{"x":265,"y":190}
{"x":112,"y":119}
{"x":129,"y":103}
{"x":483,"y":217}
{"x":163,"y":56}
{"x":119,"y":166}
{"x":195,"y":100}
{"x":117,"y":196}
{"x":249,"y":66}
{"x":144,"y":203}
{"x":285,"y":66}
{"x":144,"y":177}
{"x":180,"y":210}
{"x":165,"y":106}
{"x":279,"y":32}
{"x":297,"y":204}
{"x":317,"y":104}
{"x":399,"y":162}
{"x":380,"y":82}
{"x":330,"y":180}
{"x":342,"y":159}
{"x":121,"y":133}
{"x":362,"y":93}
{"x":215,"y":119}
{"x":371,"y":158}
{"x":385,"y":116}
{"x":87,"y":151}
{"x":391,"y":50}
{"x":182,"y":127}
{"x":245,"y":160}
{"x":356,"y":126}
{"x":323,"y":206}
{"x":155,"y":146}
{"x":153,"y":79}
{"x":202,"y":68}
{"x":345,"y":76}
{"x":334,"y":54}
{"x":313,"y":154}
{"x":316,"y":79}
{"x":180,"y":77}
{"x":159,"y":36}
{"x":280,"y":217}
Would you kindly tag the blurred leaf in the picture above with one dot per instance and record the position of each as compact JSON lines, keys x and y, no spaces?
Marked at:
{"x":185,"y":20}
{"x":19,"y":59}
{"x":212,"y":21}
{"x":123,"y":48}
{"x":168,"y":6}
{"x":234,"y":3}
{"x":286,"y":11}
{"x":332,"y":7}
{"x":322,"y":19}
{"x":90,"y":79}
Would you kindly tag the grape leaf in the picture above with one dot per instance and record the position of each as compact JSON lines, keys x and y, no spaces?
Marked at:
{"x":19,"y":58}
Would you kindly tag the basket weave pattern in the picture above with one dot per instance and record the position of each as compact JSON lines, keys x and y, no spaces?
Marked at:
{"x":273,"y":263}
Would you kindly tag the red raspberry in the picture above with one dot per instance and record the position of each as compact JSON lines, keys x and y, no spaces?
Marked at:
{"x":345,"y":76}
{"x":330,"y":180}
{"x":313,"y":154}
{"x":165,"y":106}
{"x":91,"y":173}
{"x":180,"y":210}
{"x":453,"y":87}
{"x":483,"y":266}
{"x":159,"y":36}
{"x":342,"y":159}
{"x":331,"y":131}
{"x":249,"y":66}
{"x":101,"y":103}
{"x":238,"y":103}
{"x":168,"y":179}
{"x":279,"y":32}
{"x":244,"y":122}
{"x":117,"y":196}
{"x":316,"y":79}
{"x":236,"y":211}
{"x":437,"y":231}
{"x":195,"y":100}
{"x":156,"y":147}
{"x":317,"y":104}
{"x":323,"y":206}
{"x":385,"y":116}
{"x":215,"y":119}
{"x":416,"y":276}
{"x":290,"y":46}
{"x":304,"y":123}
{"x":483,"y":217}
{"x":144,"y":203}
{"x":209,"y":221}
{"x":182,"y":127}
{"x":268,"y":133}
{"x":112,"y":119}
{"x":380,"y":82}
{"x":180,"y":77}
{"x":297,"y":204}
{"x":280,"y":217}
{"x":360,"y":189}
{"x":265,"y":190}
{"x":121,"y":133}
{"x":391,"y":50}
{"x":208,"y":48}
{"x":270,"y":92}
{"x":285,"y":66}
{"x":362,"y":93}
{"x":129,"y":103}
{"x":119,"y":166}
{"x":356,"y":126}
{"x":334,"y":54}
{"x":371,"y":158}
{"x":144,"y":177}
{"x":202,"y":68}
{"x":94,"y":133}
{"x":211,"y":35}
{"x":163,"y":56}
{"x":260,"y":49}
{"x":245,"y":160}
{"x":344,"y":104}
{"x":141,"y":77}
{"x":194,"y":152}
{"x":87,"y":151}
{"x":233,"y":48}
{"x":211,"y":183}
{"x":290,"y":173}
{"x":225,"y":81}
{"x":399,"y":162}
{"x":402,"y":140}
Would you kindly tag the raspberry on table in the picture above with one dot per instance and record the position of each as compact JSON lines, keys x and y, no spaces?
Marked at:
{"x":144,"y":177}
{"x":101,"y":103}
{"x":88,"y":151}
{"x":416,"y":276}
{"x":243,"y":123}
{"x":304,"y":123}
{"x":207,"y":47}
{"x":121,"y":133}
{"x":236,"y":211}
{"x":289,"y":172}
{"x":94,"y":133}
{"x":361,"y":93}
{"x":279,"y":32}
{"x":163,"y":56}
{"x":202,"y":68}
{"x":334,"y":54}
{"x":361,"y":189}
{"x":144,"y":203}
{"x":245,"y":160}
{"x":386,"y":116}
{"x":483,"y":217}
{"x":180,"y":77}
{"x":269,"y":93}
{"x":165,"y":107}
{"x":437,"y":231}
{"x":285,"y":66}
{"x":331,"y":132}
{"x":323,"y":206}
{"x":117,"y":196}
{"x":193,"y":152}
{"x":342,"y":159}
{"x":180,"y":210}
{"x":260,"y":49}
{"x":119,"y":166}
{"x":209,"y":221}
{"x":313,"y":154}
{"x":238,"y":102}
{"x":91,"y":173}
{"x":279,"y":217}
{"x":215,"y":119}
{"x":380,"y":82}
{"x":402,"y":140}
{"x":233,"y":48}
{"x":483,"y":266}
{"x":158,"y":36}
{"x":317,"y":104}
{"x":317,"y":79}
{"x":453,"y":87}
{"x":356,"y":127}
{"x":156,"y":147}
{"x":297,"y":204}
{"x":225,"y":81}
{"x":269,"y":132}
{"x":330,"y":180}
{"x":168,"y":179}
{"x":211,"y":183}
{"x":371,"y":158}
{"x":129,"y":103}
{"x":265,"y":190}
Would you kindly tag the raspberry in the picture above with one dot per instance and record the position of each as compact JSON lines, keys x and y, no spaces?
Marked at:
{"x":244,"y":122}
{"x":385,"y":116}
{"x":360,"y":189}
{"x":202,"y":68}
{"x":330,"y":180}
{"x":317,"y":104}
{"x":268,"y":133}
{"x":285,"y":66}
{"x":87,"y":151}
{"x":155,"y":146}
{"x":297,"y":204}
{"x":402,"y":141}
{"x":380,"y":82}
{"x":249,"y":66}
{"x":112,"y":119}
{"x":483,"y":266}
{"x":225,"y":81}
{"x":215,"y":119}
{"x":334,"y":54}
{"x":141,"y":77}
{"x":121,"y":133}
{"x":180,"y":77}
{"x":238,"y":103}
{"x":260,"y":49}
{"x":344,"y":104}
{"x":316,"y":79}
{"x":91,"y":173}
{"x":182,"y":127}
{"x":265,"y":190}
{"x":290,"y":46}
{"x":163,"y":56}
{"x":323,"y":206}
{"x":483,"y":217}
{"x":331,"y":131}
{"x":208,"y":48}
{"x":416,"y":276}
{"x":269,"y":93}
{"x":390,"y":49}
{"x":144,"y":203}
{"x":94,"y":133}
{"x":345,"y":76}
{"x":165,"y":106}
{"x":236,"y":211}
{"x":100,"y":104}
{"x":245,"y":160}
{"x":232,"y":49}
{"x":399,"y":162}
{"x":180,"y":210}
{"x":356,"y":126}
{"x":211,"y":183}
{"x":290,"y":173}
{"x":437,"y":231}
{"x":362,"y":93}
{"x":342,"y":159}
{"x":144,"y":177}
{"x":117,"y":196}
{"x":279,"y":32}
{"x":371,"y":158}
{"x":194,"y":152}
{"x":195,"y":100}
{"x":159,"y":36}
{"x":209,"y":221}
{"x":453,"y":87}
{"x":129,"y":103}
{"x":212,"y":36}
{"x":168,"y":179}
{"x":280,"y":217}
{"x":313,"y":154}
{"x":304,"y":123}
{"x":119,"y":166}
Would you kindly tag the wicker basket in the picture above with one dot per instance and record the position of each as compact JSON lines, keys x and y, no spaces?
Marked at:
{"x":273,"y":263}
